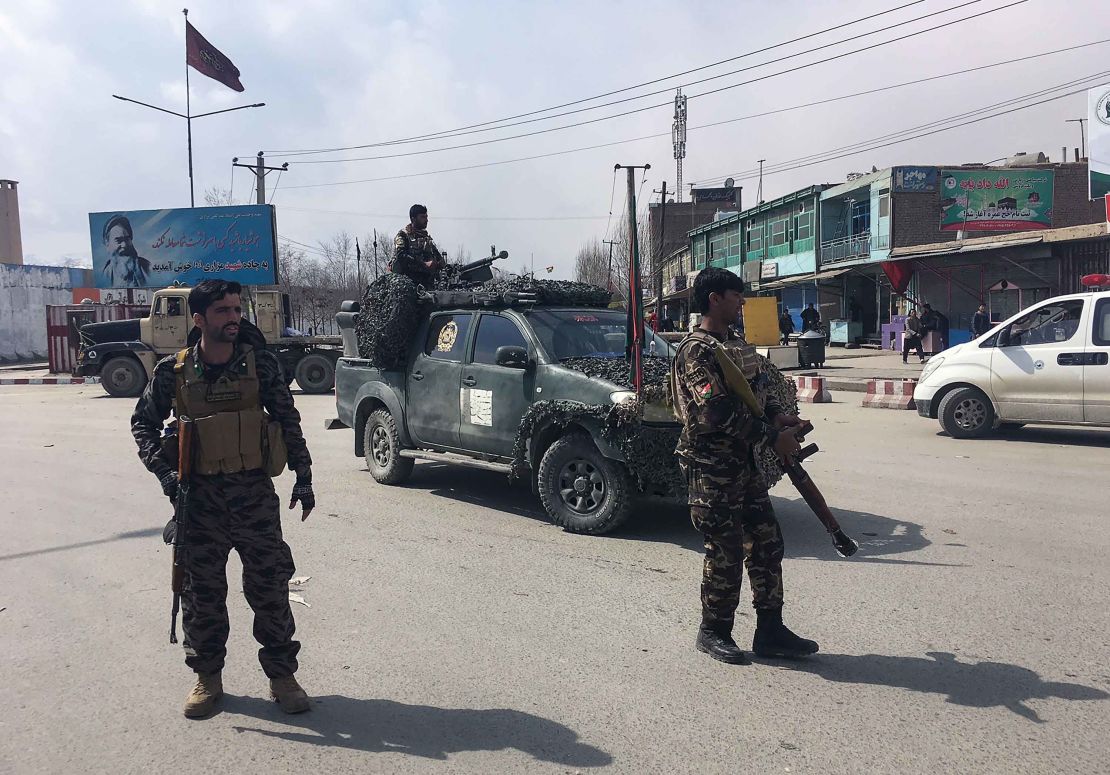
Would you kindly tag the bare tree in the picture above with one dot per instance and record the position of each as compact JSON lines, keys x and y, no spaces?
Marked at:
{"x":218,"y":197}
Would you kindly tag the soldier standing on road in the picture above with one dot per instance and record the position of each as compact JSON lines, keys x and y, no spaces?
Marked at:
{"x":415,"y":254}
{"x":223,"y":383}
{"x":729,"y":503}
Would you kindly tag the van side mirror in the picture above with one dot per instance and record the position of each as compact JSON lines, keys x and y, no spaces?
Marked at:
{"x":512,"y":357}
{"x":1003,"y":337}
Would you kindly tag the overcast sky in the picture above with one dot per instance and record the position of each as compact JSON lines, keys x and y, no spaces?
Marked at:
{"x":341,"y":73}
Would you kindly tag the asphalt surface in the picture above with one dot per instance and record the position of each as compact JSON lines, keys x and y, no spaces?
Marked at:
{"x":451,"y":628}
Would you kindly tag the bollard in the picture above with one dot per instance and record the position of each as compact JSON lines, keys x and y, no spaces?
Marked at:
{"x":890,"y":394}
{"x":812,"y":390}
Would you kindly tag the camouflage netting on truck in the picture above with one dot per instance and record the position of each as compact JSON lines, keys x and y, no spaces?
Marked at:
{"x":553,"y":293}
{"x":391,"y":306}
{"x":648,"y":449}
{"x":388,"y":315}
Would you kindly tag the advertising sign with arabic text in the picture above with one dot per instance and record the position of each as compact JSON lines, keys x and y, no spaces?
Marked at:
{"x":995,"y":200}
{"x":1098,"y":120}
{"x":156,"y":248}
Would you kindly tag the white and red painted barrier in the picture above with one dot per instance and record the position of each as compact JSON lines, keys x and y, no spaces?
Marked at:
{"x":812,"y":390}
{"x":890,"y":394}
{"x":49,"y":380}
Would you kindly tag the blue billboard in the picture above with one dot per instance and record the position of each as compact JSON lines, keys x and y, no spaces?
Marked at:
{"x":156,"y":248}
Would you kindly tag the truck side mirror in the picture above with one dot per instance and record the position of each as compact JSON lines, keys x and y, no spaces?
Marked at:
{"x":512,"y":357}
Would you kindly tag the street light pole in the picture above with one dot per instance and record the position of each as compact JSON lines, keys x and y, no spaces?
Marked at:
{"x":188,"y":116}
{"x":1082,"y":135}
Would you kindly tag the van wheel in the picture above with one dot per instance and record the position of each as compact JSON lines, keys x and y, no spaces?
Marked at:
{"x":966,"y":413}
{"x":315,"y":374}
{"x":123,"y":377}
{"x":581,"y":489}
{"x":381,"y":444}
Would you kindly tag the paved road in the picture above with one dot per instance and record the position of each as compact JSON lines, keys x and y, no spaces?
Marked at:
{"x":452,"y":629}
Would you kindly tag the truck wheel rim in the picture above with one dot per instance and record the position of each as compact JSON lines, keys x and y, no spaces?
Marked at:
{"x":315,"y":374}
{"x":122,"y":378}
{"x":970,"y":414}
{"x":581,"y":486}
{"x":379,"y":447}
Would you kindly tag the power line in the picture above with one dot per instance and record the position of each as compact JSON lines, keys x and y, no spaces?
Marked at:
{"x":276,"y":184}
{"x":917,"y":136}
{"x":662,"y":104}
{"x":418,"y":138}
{"x":751,"y":173}
{"x":701,"y":126}
{"x":392,"y":216}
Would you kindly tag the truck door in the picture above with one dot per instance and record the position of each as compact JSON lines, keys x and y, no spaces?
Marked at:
{"x":1096,"y":366}
{"x":432,"y":397}
{"x":1037,"y":369}
{"x":170,"y":324}
{"x":493,"y":398}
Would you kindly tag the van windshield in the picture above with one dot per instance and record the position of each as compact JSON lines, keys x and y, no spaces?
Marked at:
{"x":587,"y":333}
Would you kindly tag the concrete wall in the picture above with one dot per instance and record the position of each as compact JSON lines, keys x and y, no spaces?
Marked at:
{"x":11,"y":243}
{"x":25,"y":292}
{"x":917,"y":215}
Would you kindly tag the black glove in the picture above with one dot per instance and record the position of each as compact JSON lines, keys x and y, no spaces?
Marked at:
{"x":302,"y":491}
{"x":168,"y":481}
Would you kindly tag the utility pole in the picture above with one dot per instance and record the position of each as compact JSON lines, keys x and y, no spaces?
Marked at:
{"x":375,"y":254}
{"x":634,"y":340}
{"x":1082,"y":135}
{"x":260,"y":171}
{"x":609,"y":269}
{"x":660,"y":255}
{"x":759,"y":192}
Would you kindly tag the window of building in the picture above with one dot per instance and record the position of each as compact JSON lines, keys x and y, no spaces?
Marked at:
{"x":495,"y":331}
{"x":780,"y":231}
{"x":861,"y":217}
{"x":803,"y":224}
{"x":447,"y":337}
{"x":755,"y":237}
{"x":699,"y":252}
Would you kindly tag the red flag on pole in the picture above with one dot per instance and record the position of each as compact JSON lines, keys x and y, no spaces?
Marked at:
{"x":208,"y":60}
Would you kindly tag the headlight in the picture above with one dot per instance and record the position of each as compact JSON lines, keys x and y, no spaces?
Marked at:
{"x":933,"y":364}
{"x":622,"y":396}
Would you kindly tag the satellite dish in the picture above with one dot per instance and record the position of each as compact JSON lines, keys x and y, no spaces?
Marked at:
{"x":729,"y":182}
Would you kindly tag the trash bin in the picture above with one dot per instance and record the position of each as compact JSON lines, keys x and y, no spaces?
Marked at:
{"x":811,"y":349}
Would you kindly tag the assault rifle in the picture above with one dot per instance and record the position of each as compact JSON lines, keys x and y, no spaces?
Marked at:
{"x":178,"y":526}
{"x":738,"y":385}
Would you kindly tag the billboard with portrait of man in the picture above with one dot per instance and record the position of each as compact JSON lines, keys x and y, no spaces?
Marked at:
{"x":157,"y":248}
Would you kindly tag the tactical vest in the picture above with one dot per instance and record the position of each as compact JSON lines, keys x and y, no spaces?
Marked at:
{"x":233,"y":433}
{"x":740,"y":365}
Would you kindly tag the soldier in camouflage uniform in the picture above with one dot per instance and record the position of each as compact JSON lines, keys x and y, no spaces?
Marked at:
{"x":223,"y":383}
{"x":415,"y":254}
{"x":729,"y":503}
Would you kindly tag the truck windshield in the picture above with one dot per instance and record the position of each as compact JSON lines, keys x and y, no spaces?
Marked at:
{"x":587,"y":333}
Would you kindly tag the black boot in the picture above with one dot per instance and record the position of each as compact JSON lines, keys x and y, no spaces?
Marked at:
{"x":715,"y":639}
{"x":774,"y":639}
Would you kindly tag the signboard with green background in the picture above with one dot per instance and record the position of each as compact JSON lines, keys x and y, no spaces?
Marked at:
{"x":995,"y":200}
{"x":1098,"y":152}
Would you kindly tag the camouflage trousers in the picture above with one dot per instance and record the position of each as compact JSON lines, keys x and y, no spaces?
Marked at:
{"x":730,"y":507}
{"x":242,"y":512}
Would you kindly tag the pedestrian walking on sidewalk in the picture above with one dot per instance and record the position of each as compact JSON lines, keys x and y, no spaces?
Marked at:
{"x":911,"y":337}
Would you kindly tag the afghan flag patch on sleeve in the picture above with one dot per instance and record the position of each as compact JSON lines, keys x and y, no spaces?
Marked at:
{"x":705,"y":391}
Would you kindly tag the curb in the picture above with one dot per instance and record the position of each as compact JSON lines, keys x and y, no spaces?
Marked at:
{"x":49,"y":380}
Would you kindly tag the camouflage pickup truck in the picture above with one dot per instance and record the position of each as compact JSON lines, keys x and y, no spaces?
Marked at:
{"x":528,"y":390}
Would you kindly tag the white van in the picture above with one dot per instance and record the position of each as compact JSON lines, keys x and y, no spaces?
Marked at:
{"x":1049,"y":364}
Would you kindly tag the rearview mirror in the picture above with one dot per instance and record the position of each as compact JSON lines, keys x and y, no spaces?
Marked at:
{"x":512,"y":357}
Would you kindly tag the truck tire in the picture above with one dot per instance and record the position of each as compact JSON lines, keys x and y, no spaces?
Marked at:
{"x":123,"y":377}
{"x":381,"y":445}
{"x":315,"y":373}
{"x":581,"y":489}
{"x":965,"y":413}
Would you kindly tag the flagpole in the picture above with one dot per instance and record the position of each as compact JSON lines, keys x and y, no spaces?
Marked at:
{"x":188,"y":113}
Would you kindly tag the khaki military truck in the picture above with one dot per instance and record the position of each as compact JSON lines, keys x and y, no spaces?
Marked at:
{"x":123,"y":353}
